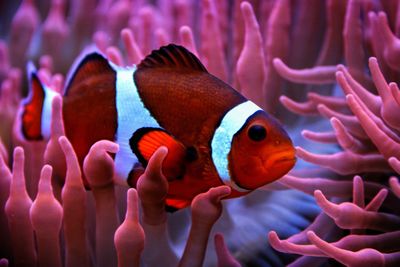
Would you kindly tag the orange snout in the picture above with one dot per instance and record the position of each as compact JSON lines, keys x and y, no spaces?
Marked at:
{"x":258,"y":170}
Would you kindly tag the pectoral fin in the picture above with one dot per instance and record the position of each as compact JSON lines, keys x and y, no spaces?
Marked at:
{"x":145,"y":141}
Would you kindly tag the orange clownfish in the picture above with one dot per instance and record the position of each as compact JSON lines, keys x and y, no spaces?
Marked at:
{"x":214,"y":135}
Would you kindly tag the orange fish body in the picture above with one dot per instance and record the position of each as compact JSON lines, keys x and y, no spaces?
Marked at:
{"x":214,"y":135}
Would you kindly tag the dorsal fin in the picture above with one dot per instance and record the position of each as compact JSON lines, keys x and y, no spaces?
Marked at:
{"x":172,"y":56}
{"x":88,"y":66}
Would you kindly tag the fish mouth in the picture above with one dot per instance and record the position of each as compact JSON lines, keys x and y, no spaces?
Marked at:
{"x":278,"y":158}
{"x":269,"y":169}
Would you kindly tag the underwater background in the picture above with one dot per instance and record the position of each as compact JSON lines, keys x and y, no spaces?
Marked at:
{"x":327,"y":69}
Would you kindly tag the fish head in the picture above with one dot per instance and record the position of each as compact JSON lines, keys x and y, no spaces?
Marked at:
{"x":261,"y":152}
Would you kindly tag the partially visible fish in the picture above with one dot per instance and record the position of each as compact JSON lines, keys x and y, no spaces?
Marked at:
{"x":214,"y":135}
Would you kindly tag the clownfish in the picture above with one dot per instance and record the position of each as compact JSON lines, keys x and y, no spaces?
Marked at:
{"x":214,"y":135}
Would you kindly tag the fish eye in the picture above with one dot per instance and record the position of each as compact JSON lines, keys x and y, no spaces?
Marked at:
{"x":257,"y":133}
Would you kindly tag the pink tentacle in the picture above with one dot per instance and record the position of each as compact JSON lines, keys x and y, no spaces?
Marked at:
{"x":386,"y":146}
{"x":129,"y":237}
{"x":323,"y":225}
{"x":315,"y":75}
{"x":389,"y":104}
{"x":117,"y":18}
{"x":55,"y":31}
{"x":161,"y":37}
{"x":133,"y":52}
{"x":332,"y":48}
{"x":4,"y":60}
{"x":289,"y":247}
{"x":206,"y":209}
{"x":53,"y":154}
{"x":305,"y":108}
{"x":332,"y":210}
{"x":346,"y":140}
{"x":334,"y":103}
{"x":324,"y":137}
{"x":350,"y":121}
{"x":225,"y":259}
{"x":114,"y":55}
{"x":353,"y":44}
{"x":349,"y":216}
{"x":5,"y":181}
{"x":46,"y":216}
{"x":98,"y":168}
{"x":250,"y":67}
{"x":187,"y":39}
{"x":390,"y":41}
{"x":152,"y":188}
{"x":74,"y":206}
{"x":146,"y":29}
{"x":356,"y":259}
{"x":377,"y":201}
{"x":346,"y":162}
{"x":377,"y":43}
{"x":101,"y":40}
{"x":358,"y":191}
{"x":212,"y":52}
{"x":25,"y":21}
{"x":350,"y":86}
{"x":330,"y":188}
{"x":277,"y":46}
{"x":395,"y":186}
{"x":17,"y":210}
{"x":394,"y":89}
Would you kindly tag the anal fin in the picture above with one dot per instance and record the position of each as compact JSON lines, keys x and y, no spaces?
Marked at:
{"x":176,"y":204}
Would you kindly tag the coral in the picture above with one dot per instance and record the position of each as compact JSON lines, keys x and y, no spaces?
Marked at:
{"x":333,"y":64}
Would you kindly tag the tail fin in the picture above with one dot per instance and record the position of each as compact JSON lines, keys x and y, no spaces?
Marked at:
{"x":36,"y":108}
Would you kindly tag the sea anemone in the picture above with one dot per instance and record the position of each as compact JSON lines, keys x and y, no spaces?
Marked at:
{"x":332,"y":59}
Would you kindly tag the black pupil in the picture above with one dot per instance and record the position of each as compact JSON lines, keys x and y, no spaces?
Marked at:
{"x":257,"y":133}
